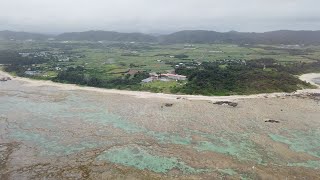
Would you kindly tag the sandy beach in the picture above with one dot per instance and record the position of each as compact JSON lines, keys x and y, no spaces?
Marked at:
{"x":141,"y":94}
{"x":310,"y":77}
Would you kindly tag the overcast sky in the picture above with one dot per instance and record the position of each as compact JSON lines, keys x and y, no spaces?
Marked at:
{"x":158,"y":16}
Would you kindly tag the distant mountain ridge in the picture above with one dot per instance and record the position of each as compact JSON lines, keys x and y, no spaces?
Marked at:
{"x":187,"y":36}
{"x":8,"y":35}
{"x":107,"y":36}
{"x":272,"y":37}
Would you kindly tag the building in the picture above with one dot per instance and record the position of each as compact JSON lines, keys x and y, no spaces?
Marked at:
{"x":153,"y":74}
{"x":175,"y":77}
{"x":164,"y":77}
{"x":24,"y":54}
{"x":64,"y":59}
{"x":150,"y":79}
{"x":32,"y":73}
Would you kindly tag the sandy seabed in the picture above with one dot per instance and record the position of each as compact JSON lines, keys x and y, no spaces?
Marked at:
{"x":59,"y":131}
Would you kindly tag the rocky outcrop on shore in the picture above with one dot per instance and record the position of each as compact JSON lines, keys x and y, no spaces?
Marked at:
{"x":5,"y":78}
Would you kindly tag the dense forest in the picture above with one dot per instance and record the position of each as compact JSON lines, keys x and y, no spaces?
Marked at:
{"x":14,"y":62}
{"x":79,"y":75}
{"x":257,"y":76}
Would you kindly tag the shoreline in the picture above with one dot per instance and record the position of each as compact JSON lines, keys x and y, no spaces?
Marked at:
{"x":143,"y":94}
{"x":309,"y":77}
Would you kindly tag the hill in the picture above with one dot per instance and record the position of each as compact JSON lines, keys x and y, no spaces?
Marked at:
{"x":273,"y":37}
{"x":107,"y":36}
{"x":8,"y":35}
{"x":188,"y":36}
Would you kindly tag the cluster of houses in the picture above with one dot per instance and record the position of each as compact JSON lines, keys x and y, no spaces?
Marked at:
{"x":164,"y":77}
{"x":50,"y":55}
{"x":35,"y":54}
{"x":32,"y":73}
{"x":57,"y":55}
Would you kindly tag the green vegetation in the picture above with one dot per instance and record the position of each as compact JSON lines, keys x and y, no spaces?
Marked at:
{"x":81,"y":76}
{"x":160,"y":86}
{"x":211,"y":69}
{"x":238,"y":78}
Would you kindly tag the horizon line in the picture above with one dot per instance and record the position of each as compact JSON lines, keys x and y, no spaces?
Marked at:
{"x":153,"y":33}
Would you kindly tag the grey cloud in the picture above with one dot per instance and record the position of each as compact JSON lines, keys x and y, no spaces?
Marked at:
{"x":158,"y":15}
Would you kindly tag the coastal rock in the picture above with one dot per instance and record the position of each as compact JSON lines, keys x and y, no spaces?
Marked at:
{"x":169,"y":104}
{"x":272,"y":121}
{"x":5,"y":78}
{"x":233,"y":104}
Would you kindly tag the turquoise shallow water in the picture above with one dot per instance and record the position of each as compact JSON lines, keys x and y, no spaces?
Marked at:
{"x":78,"y":122}
{"x":307,"y":164}
{"x":42,"y":123}
{"x":302,"y":141}
{"x":54,"y":118}
{"x":142,"y":159}
{"x":234,"y":144}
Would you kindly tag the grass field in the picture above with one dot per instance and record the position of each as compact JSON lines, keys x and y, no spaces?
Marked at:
{"x":119,"y":57}
{"x":160,"y":86}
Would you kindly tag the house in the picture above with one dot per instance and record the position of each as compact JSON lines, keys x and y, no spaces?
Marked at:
{"x":64,"y":59}
{"x":150,"y":79}
{"x":175,"y":77}
{"x":164,"y":77}
{"x":32,"y":73}
{"x":24,"y":54}
{"x":154,"y":75}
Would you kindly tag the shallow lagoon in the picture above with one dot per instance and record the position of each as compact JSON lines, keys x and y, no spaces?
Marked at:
{"x":49,"y":124}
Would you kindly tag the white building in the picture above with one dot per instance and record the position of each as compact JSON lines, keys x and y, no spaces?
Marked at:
{"x":175,"y":77}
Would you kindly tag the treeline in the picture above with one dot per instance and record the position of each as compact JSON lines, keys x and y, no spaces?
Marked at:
{"x":81,"y":76}
{"x":260,"y":76}
{"x":13,"y":58}
{"x":14,"y":62}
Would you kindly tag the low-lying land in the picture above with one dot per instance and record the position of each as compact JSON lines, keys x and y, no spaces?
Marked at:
{"x":210,"y":69}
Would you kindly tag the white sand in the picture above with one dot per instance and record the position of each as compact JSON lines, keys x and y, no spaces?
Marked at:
{"x":141,"y":94}
{"x":309,"y":78}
